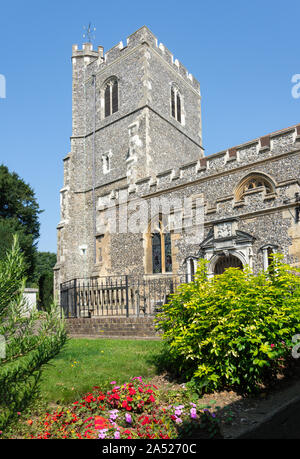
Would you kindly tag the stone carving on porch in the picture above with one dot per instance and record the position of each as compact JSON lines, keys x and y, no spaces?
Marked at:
{"x":224,"y":230}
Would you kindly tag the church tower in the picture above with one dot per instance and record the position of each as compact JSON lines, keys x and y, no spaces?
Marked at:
{"x":136,"y":112}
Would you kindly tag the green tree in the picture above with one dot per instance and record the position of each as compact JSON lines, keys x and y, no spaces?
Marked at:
{"x":31,"y":340}
{"x":19,"y":214}
{"x":43,"y":277}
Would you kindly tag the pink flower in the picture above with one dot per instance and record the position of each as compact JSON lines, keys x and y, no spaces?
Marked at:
{"x":102,"y":434}
{"x":117,"y":435}
{"x":128,"y":418}
{"x":113,"y":382}
{"x":272,"y":345}
{"x":193,"y":413}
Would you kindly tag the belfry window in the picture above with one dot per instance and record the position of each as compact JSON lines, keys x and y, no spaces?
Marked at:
{"x":176,"y":104}
{"x":161,"y":250}
{"x":111,"y":97}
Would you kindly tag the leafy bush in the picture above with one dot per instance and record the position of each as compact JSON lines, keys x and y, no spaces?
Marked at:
{"x":31,"y":340}
{"x":234,"y":330}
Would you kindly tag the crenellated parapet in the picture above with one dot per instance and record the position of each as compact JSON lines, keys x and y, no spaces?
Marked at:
{"x":97,"y":58}
{"x":273,"y":145}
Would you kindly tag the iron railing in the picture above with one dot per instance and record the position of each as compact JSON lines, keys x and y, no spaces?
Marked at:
{"x":116,"y":295}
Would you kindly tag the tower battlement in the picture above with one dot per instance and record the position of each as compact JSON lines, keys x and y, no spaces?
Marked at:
{"x":141,"y":36}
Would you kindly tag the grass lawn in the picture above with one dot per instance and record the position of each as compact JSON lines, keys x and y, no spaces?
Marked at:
{"x":85,"y":363}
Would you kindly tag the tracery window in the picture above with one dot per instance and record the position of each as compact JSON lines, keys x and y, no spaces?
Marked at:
{"x":161,"y":250}
{"x":111,"y":97}
{"x":176,"y":103}
{"x":254,"y":182}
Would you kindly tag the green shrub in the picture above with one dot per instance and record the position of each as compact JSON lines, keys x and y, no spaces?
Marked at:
{"x":31,"y":339}
{"x":234,"y":330}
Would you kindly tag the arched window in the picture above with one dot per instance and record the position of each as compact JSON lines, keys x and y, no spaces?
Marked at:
{"x":111,"y":97}
{"x":176,"y":103}
{"x":161,"y":249}
{"x":191,"y":264}
{"x":254,"y":182}
{"x":268,"y":251}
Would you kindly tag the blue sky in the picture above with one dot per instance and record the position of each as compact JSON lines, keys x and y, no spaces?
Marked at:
{"x":243,"y":53}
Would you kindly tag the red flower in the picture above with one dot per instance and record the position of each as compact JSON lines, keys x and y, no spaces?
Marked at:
{"x":146,"y":421}
{"x":100,"y":422}
{"x":88,"y":419}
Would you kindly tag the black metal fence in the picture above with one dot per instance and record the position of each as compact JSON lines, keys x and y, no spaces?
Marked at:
{"x":116,"y":295}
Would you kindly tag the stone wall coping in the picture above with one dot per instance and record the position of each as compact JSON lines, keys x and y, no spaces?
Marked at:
{"x":30,"y":290}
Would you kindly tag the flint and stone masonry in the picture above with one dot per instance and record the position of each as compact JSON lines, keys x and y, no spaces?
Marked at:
{"x":150,"y":147}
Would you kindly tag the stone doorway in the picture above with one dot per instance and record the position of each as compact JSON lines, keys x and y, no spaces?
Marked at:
{"x":227,"y":261}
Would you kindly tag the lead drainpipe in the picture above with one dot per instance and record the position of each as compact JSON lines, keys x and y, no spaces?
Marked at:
{"x":94,"y":168}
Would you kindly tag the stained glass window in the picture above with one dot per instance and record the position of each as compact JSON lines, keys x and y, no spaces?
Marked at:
{"x":161,"y":250}
{"x":156,"y":253}
{"x":168,"y":253}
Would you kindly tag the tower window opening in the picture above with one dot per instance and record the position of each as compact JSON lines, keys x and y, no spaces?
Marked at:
{"x":176,"y":104}
{"x":111,"y":102}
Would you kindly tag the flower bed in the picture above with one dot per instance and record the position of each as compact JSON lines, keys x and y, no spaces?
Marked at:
{"x":134,"y":410}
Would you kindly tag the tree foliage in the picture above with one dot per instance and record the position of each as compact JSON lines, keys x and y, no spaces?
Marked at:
{"x":234,"y":330}
{"x":19,"y":213}
{"x":44,"y":278}
{"x":30,"y":340}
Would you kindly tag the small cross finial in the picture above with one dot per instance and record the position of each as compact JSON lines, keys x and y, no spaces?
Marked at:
{"x":89,"y":32}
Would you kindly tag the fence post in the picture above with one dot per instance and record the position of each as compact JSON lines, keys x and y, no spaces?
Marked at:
{"x":127,"y":297}
{"x":75,"y":298}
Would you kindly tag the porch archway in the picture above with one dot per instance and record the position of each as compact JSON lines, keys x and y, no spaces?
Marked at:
{"x":227,"y":261}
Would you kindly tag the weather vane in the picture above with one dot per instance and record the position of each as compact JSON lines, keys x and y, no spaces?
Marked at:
{"x":89,"y":32}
